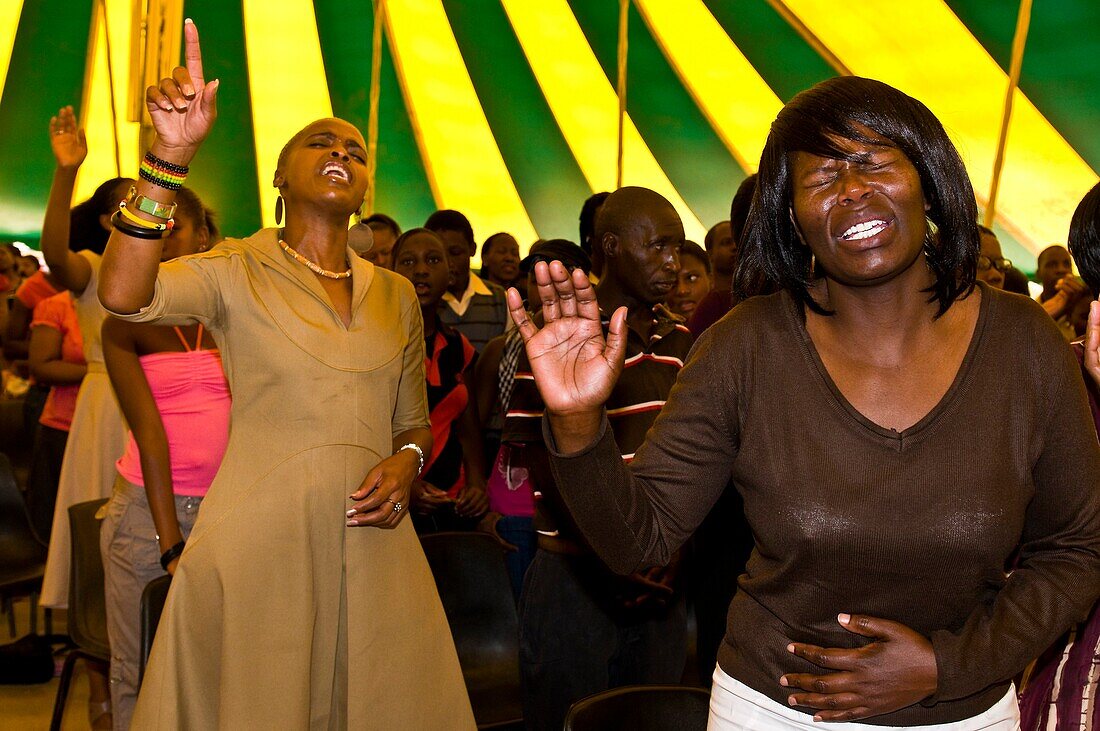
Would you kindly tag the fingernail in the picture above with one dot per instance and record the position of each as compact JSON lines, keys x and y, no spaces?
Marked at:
{"x":790,"y":648}
{"x":352,"y":523}
{"x":844,"y":618}
{"x":817,"y":719}
{"x":783,"y":681}
{"x":351,"y":512}
{"x":790,"y":700}
{"x":188,"y":20}
{"x":352,"y":497}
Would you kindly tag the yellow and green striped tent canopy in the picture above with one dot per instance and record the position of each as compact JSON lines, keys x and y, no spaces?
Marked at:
{"x":506,"y":109}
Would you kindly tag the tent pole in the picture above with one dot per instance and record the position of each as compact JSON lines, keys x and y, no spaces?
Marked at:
{"x":111,"y":83}
{"x":375,"y":91}
{"x":810,"y":37}
{"x":624,"y":8}
{"x":1019,"y":41}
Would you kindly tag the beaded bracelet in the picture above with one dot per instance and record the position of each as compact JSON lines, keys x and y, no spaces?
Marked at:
{"x":138,"y":232}
{"x":164,"y":179}
{"x":142,"y":223}
{"x":165,"y":165}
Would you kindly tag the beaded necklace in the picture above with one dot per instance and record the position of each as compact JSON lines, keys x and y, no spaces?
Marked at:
{"x":316,"y":269}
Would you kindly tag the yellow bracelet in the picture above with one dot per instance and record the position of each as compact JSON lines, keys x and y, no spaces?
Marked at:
{"x":141,"y":222}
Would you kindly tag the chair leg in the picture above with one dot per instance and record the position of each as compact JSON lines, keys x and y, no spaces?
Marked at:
{"x":9,"y":607}
{"x":34,"y":612}
{"x":63,"y":689}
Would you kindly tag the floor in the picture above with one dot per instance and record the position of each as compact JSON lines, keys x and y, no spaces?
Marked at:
{"x":30,"y":707}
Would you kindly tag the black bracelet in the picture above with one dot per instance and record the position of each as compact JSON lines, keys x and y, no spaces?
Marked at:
{"x":169,"y":166}
{"x":123,"y":226}
{"x":171,"y":555}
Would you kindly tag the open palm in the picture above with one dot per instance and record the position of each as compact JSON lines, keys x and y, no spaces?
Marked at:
{"x":574,"y":367}
{"x":183,"y":107}
{"x":67,"y":139}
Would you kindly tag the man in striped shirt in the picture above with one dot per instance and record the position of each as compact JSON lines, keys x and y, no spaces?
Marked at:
{"x":620,"y":630}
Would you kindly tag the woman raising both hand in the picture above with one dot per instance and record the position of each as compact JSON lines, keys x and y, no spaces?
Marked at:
{"x":292,"y":604}
{"x":848,"y":409}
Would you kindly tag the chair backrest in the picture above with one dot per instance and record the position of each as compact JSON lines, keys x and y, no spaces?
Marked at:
{"x":473,"y":585}
{"x":641,"y":708}
{"x":87,"y":607}
{"x":152,"y":604}
{"x":22,"y":558}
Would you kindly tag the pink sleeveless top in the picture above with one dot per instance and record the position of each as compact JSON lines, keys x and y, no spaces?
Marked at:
{"x":193,"y":398}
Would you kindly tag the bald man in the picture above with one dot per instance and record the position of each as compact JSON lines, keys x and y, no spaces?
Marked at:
{"x":584,"y":629}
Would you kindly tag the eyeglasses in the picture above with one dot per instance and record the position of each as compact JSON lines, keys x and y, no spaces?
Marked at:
{"x":985,"y":263}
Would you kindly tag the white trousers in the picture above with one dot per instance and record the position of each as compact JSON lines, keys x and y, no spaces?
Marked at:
{"x":735,"y":706}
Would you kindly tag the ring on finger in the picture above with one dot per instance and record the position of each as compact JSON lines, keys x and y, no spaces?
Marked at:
{"x":397,"y":506}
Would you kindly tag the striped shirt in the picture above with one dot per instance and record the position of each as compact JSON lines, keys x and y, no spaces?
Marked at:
{"x":481,"y":314}
{"x":648,"y":373}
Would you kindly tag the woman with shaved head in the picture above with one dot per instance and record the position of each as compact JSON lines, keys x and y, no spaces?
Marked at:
{"x":293,"y":601}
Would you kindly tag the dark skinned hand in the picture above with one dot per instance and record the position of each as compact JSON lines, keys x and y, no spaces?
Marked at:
{"x":427,"y":498}
{"x":472,"y":502}
{"x":384,"y":487}
{"x":896,"y":670}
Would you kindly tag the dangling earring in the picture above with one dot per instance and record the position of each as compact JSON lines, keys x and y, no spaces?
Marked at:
{"x":279,"y":210}
{"x":359,"y":213}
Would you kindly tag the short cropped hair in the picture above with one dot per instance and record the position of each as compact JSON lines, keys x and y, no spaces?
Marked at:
{"x":690,"y":248}
{"x":415,"y":232}
{"x":487,"y":245}
{"x":380,"y":221}
{"x":1084,"y":239}
{"x":448,"y":220}
{"x":812,"y":122}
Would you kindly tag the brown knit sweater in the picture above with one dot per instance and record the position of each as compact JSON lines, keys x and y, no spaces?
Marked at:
{"x":915,"y":526}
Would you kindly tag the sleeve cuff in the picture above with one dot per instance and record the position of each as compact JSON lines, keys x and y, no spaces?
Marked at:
{"x":552,"y":445}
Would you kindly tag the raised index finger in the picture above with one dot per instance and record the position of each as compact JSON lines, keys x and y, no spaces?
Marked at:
{"x":192,"y":53}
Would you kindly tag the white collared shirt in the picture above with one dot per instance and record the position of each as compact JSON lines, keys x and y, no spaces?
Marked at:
{"x":474,"y":286}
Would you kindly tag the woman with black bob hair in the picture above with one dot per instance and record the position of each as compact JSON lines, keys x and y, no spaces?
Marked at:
{"x":815,"y":121}
{"x":893,"y":450}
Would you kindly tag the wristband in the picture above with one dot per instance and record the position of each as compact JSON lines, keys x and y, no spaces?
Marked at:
{"x":171,"y":555}
{"x":142,"y":223}
{"x":139,"y":202}
{"x":419,"y":454}
{"x":123,"y":226}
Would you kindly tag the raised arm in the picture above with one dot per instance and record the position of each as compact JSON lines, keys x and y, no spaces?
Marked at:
{"x":69,"y":149}
{"x":182,"y":109}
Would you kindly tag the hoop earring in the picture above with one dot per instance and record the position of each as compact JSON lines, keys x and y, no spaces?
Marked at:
{"x":279,"y":210}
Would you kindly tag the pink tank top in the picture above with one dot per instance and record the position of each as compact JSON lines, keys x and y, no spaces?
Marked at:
{"x":193,"y":398}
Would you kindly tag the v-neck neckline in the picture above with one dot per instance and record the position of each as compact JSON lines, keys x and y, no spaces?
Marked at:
{"x":905,"y":436}
{"x":362,"y":274}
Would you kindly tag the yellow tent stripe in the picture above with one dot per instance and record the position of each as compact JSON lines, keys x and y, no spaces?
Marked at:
{"x":584,"y":103}
{"x":9,"y":24}
{"x":921,"y":47}
{"x":286,"y":82}
{"x":737,"y":102}
{"x":465,"y":168}
{"x":96,"y":109}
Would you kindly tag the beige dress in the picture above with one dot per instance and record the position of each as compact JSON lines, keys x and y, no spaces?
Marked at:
{"x":279,"y":615}
{"x":97,"y":439}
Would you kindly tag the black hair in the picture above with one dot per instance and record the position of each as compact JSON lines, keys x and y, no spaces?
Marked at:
{"x":487,"y":245}
{"x":845,"y":107}
{"x":377,"y":221}
{"x":739,"y":208}
{"x":188,"y":203}
{"x":588,"y":219}
{"x":690,"y":248}
{"x":1084,"y":239}
{"x":415,"y":232}
{"x":449,"y":220}
{"x":85,"y":231}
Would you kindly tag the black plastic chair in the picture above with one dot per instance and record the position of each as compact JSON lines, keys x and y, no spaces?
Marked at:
{"x":22,"y":558}
{"x":641,"y":708}
{"x":152,"y":604}
{"x":473,"y":585}
{"x":87,"y":604}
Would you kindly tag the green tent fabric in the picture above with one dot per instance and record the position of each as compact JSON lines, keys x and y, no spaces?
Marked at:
{"x":47,"y":68}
